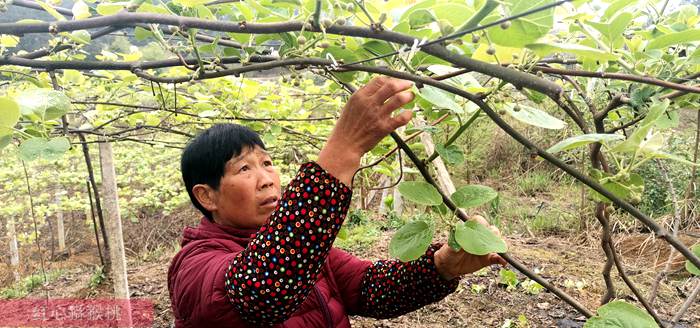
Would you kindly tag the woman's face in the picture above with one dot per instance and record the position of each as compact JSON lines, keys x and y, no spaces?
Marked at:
{"x":248,"y":192}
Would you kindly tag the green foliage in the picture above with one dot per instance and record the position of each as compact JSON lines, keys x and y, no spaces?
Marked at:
{"x":508,"y":278}
{"x":28,"y":284}
{"x":532,"y":287}
{"x":43,"y":104}
{"x":420,"y":192}
{"x":478,"y":239}
{"x":620,"y":314}
{"x":412,"y":240}
{"x":534,"y":182}
{"x":97,"y":277}
{"x":582,"y":140}
{"x":533,"y":116}
{"x":690,"y":266}
{"x":473,"y":196}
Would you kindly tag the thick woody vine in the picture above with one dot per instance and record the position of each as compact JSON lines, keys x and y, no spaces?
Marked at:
{"x":530,"y":78}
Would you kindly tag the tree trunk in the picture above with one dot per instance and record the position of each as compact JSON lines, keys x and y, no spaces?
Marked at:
{"x":443,"y":176}
{"x":59,"y":225}
{"x":113,"y":223}
{"x":14,"y":250}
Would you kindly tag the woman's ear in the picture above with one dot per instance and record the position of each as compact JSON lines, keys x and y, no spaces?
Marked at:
{"x":206,"y":196}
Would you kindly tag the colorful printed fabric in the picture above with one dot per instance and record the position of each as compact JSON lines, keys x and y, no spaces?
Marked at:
{"x":268,"y":281}
{"x":393,"y":288}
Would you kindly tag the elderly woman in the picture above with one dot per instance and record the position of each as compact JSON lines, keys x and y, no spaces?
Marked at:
{"x":259,"y":258}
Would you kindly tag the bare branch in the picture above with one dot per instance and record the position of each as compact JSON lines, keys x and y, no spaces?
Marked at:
{"x":619,"y":76}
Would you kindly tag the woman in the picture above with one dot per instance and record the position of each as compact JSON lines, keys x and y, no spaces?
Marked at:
{"x":261,"y":259}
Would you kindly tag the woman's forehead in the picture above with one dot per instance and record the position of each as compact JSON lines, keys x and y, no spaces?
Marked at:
{"x":248,"y":153}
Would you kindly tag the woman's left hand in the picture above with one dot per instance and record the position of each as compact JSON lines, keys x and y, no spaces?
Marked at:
{"x":451,"y":264}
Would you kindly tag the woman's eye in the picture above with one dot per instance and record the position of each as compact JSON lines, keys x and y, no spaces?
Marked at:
{"x":243,"y":168}
{"x":268,"y":163}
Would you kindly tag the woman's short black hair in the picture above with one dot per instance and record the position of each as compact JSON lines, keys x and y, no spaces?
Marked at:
{"x":204,"y":158}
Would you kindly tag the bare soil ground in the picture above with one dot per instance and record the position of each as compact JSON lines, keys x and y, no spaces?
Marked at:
{"x":570,"y":264}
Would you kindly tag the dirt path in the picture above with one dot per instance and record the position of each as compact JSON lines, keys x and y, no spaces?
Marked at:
{"x":480,"y":301}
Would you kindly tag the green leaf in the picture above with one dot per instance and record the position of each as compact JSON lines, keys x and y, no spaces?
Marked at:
{"x":439,"y":98}
{"x":524,"y":30}
{"x":450,"y":154}
{"x":690,"y":266}
{"x":80,"y":10}
{"x":418,"y":6}
{"x":535,"y":117}
{"x":35,"y":148}
{"x":411,"y":241}
{"x":9,"y":115}
{"x":420,"y":192}
{"x":106,"y":9}
{"x":5,"y":140}
{"x":620,"y":314}
{"x":673,"y":157}
{"x":670,"y":119}
{"x":613,"y":31}
{"x":31,"y":149}
{"x":675,"y":38}
{"x":343,"y":233}
{"x":615,"y":8}
{"x":141,"y":33}
{"x":81,"y":37}
{"x":628,"y":188}
{"x":49,"y":9}
{"x":455,"y":13}
{"x":633,"y":142}
{"x":473,"y":196}
{"x":43,"y":104}
{"x":420,"y":18}
{"x":508,"y":278}
{"x":582,"y":140}
{"x":55,"y":148}
{"x":478,"y":239}
{"x":8,"y":41}
{"x":347,"y":56}
{"x":581,"y":52}
{"x":452,"y":240}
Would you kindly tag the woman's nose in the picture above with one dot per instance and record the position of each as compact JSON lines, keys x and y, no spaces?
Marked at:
{"x":265,"y":179}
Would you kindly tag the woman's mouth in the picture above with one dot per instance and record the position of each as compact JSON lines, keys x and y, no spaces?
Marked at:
{"x":269,"y":202}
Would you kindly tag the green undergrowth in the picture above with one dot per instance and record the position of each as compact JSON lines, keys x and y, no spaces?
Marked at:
{"x":360,"y":232}
{"x":28,"y":284}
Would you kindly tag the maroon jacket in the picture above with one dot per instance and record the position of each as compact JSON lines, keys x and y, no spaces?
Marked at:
{"x":287,"y":274}
{"x":197,"y":273}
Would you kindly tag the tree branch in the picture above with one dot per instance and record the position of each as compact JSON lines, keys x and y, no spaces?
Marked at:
{"x":517,"y":78}
{"x":619,"y":76}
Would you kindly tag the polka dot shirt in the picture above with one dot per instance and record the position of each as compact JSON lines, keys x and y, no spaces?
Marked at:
{"x":268,"y":281}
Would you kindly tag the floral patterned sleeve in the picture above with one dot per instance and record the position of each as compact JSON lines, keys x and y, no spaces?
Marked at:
{"x":269,"y":280}
{"x":392,"y":288}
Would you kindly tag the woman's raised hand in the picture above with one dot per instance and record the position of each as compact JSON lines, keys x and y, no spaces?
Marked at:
{"x":365,"y":120}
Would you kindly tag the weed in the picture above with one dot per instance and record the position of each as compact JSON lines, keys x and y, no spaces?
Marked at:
{"x":534,"y":182}
{"x":532,"y":287}
{"x":25,"y":286}
{"x":359,"y":237}
{"x":508,"y":278}
{"x":97,"y":277}
{"x":478,"y":288}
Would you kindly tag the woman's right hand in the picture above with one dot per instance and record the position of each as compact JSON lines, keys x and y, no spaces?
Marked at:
{"x":365,"y":120}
